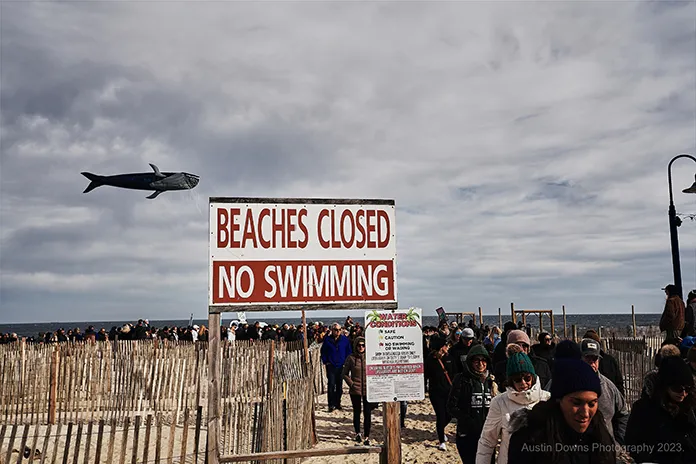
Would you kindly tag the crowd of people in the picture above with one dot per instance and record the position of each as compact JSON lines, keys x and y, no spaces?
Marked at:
{"x":144,"y":330}
{"x":551,"y":401}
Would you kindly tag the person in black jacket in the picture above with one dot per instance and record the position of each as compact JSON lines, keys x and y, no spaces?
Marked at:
{"x":500,"y":349}
{"x":662,"y":428}
{"x":462,"y":340}
{"x":439,"y":371}
{"x":544,"y":349}
{"x":608,"y":365}
{"x":469,"y":401}
{"x":566,"y":429}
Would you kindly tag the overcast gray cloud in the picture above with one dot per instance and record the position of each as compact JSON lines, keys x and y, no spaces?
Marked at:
{"x":526,"y":144}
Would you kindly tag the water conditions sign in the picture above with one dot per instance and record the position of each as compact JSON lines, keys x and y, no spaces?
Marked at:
{"x":394,"y":355}
{"x":271,"y":254}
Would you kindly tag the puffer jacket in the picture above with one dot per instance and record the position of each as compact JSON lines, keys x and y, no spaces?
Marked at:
{"x":502,"y":406}
{"x":470,"y":397}
{"x":355,"y":371}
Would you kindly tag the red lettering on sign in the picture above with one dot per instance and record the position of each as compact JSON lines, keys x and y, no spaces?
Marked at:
{"x":302,"y":281}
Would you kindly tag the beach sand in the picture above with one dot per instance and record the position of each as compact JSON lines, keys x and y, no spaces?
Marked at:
{"x":418,"y":439}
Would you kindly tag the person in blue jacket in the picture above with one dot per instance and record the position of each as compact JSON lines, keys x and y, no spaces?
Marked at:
{"x":334,"y":352}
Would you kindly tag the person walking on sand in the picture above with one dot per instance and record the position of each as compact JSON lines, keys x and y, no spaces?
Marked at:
{"x":566,"y":429}
{"x":439,"y":372}
{"x":672,"y":320}
{"x":334,"y":351}
{"x":524,"y":391}
{"x":662,"y":428}
{"x":469,"y":401}
{"x":355,"y":375}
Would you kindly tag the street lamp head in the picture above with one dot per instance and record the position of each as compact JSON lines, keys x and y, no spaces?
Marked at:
{"x":691,"y":189}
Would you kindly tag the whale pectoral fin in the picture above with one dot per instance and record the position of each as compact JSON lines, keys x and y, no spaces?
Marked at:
{"x":154,"y":194}
{"x":157,"y":171}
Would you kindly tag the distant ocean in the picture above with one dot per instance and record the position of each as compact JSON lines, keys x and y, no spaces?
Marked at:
{"x":583,"y":322}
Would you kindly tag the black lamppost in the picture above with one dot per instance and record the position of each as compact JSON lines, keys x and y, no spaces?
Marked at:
{"x":675,"y":222}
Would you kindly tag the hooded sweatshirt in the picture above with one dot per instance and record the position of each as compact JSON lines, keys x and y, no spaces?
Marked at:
{"x":502,"y":406}
{"x":471,"y":396}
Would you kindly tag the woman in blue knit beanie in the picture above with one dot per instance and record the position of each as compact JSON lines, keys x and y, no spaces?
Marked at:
{"x":567,"y":426}
{"x":523,"y":391}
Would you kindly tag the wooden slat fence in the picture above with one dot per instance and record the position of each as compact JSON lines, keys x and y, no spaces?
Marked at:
{"x":144,"y":439}
{"x":114,"y":398}
{"x":636,"y":358}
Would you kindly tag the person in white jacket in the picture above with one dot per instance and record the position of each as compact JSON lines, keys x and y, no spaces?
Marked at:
{"x":523,"y":391}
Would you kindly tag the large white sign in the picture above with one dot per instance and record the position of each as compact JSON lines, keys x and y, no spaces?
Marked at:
{"x":271,"y":253}
{"x":394,"y":355}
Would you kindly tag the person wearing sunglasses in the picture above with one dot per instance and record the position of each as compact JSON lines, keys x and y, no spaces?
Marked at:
{"x":662,"y":428}
{"x":568,"y":428}
{"x":524,"y":391}
{"x":355,"y":375}
{"x":519,"y":337}
{"x":469,"y":401}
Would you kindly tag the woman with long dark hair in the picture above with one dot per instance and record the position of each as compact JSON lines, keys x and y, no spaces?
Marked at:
{"x":662,"y":427}
{"x":439,"y":372}
{"x":355,"y":375}
{"x":567,"y":429}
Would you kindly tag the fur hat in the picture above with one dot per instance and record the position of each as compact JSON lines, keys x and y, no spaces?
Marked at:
{"x":517,"y":336}
{"x":573,"y":375}
{"x":518,"y":363}
{"x":512,"y":348}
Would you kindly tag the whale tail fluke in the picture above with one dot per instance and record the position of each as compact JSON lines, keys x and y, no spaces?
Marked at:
{"x":95,"y":181}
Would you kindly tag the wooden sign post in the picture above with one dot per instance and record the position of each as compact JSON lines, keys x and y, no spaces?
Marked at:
{"x":337,"y":254}
{"x":392,"y":436}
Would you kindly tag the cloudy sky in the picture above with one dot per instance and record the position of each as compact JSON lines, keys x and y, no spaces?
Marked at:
{"x":525,"y":144}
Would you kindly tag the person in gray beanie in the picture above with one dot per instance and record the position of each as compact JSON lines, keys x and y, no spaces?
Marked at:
{"x":567,"y":429}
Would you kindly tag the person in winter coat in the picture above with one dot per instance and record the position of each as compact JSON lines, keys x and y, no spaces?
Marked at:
{"x":540,"y":365}
{"x":469,"y":401}
{"x":689,"y":311}
{"x":544,"y":349}
{"x":439,"y":372}
{"x":608,"y":365}
{"x":662,"y":428}
{"x":566,"y":429}
{"x":651,"y":378}
{"x":461,"y":342}
{"x":499,"y":353}
{"x":672,"y":320}
{"x":335,"y":349}
{"x":611,"y":404}
{"x":354,"y":374}
{"x":524,"y":392}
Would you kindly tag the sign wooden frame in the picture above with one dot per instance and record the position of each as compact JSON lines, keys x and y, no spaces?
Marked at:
{"x":390,"y":452}
{"x":220,"y":308}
